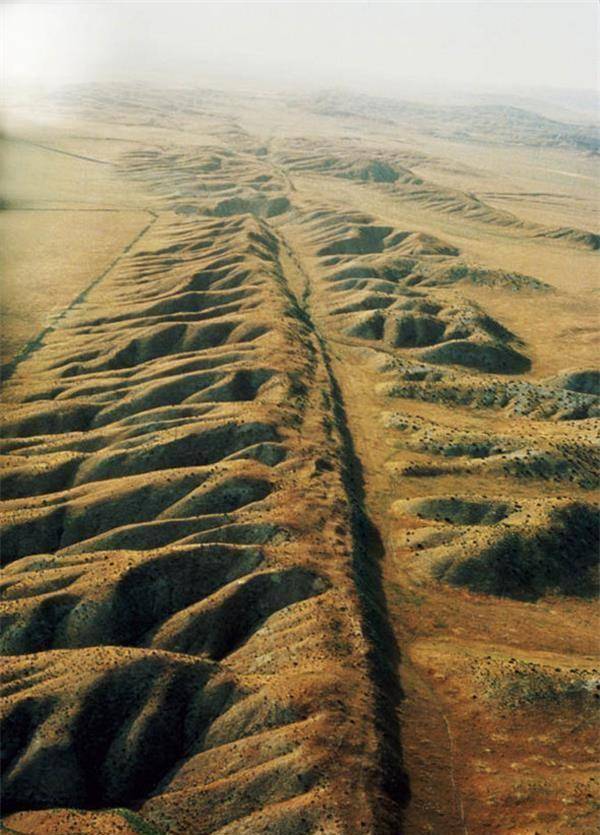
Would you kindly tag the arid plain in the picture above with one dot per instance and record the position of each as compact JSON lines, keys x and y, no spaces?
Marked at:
{"x":300,"y":412}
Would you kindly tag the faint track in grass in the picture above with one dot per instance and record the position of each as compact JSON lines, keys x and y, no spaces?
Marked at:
{"x":58,"y":151}
{"x":36,"y":343}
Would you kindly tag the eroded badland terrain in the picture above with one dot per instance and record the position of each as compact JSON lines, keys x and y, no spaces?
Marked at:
{"x":300,"y":407}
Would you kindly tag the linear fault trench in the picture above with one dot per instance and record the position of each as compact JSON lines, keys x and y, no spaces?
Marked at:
{"x":368,"y":547}
{"x":333,"y":682}
{"x":368,"y":558}
{"x":369,"y":552}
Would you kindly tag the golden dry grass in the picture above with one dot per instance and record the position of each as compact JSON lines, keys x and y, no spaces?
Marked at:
{"x":299,"y":493}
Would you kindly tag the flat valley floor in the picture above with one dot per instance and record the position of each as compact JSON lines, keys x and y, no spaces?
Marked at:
{"x":300,"y":417}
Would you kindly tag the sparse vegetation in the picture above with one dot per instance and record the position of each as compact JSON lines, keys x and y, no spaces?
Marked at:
{"x":525,"y":684}
{"x":287,"y":483}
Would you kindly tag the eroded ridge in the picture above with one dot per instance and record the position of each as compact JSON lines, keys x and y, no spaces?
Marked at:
{"x":481,"y":474}
{"x":181,"y":621}
{"x":395,"y":288}
{"x":391,"y":172}
{"x":399,"y":301}
{"x":220,"y":181}
{"x":310,"y":416}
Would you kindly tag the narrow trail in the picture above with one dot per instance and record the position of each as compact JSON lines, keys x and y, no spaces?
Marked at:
{"x":13,"y":208}
{"x":37,"y":342}
{"x":457,"y":795}
{"x":59,"y":151}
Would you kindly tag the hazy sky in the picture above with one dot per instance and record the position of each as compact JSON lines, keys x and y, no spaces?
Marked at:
{"x":493,"y":44}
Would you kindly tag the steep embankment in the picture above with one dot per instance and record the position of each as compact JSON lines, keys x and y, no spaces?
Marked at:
{"x":182,"y":620}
